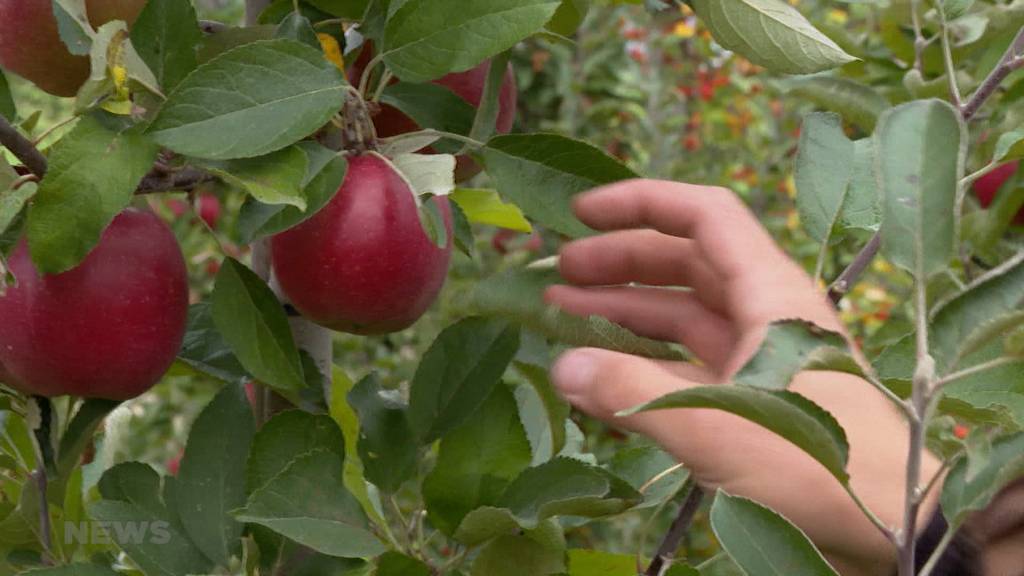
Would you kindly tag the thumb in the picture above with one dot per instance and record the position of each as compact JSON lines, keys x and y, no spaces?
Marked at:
{"x":602,"y":383}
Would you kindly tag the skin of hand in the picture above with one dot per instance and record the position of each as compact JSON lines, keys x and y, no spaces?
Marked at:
{"x":692,"y":264}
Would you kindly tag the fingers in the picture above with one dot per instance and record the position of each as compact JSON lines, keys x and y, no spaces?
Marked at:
{"x":662,"y":314}
{"x":728,"y":235}
{"x":641,"y":256}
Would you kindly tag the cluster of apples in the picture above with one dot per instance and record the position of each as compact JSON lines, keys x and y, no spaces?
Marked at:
{"x":112,"y":326}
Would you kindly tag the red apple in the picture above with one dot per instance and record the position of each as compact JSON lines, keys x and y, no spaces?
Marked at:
{"x":209,"y":209}
{"x":468,"y":85}
{"x":178,"y":207}
{"x":109,"y":328}
{"x":987,"y":187}
{"x":363,"y":264}
{"x":174,"y":464}
{"x":30,"y":44}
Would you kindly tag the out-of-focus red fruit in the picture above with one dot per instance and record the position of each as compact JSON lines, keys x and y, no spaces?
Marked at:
{"x":987,"y":187}
{"x":109,"y":328}
{"x":961,"y":431}
{"x":89,"y":454}
{"x":209,"y":209}
{"x":30,"y":44}
{"x":212,"y":267}
{"x":177,"y":207}
{"x":363,"y":264}
{"x":506,"y":241}
{"x":250,"y":393}
{"x":174,"y":464}
{"x":468,"y":85}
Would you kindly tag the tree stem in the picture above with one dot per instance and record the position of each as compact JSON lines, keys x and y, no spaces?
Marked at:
{"x":1006,"y":66}
{"x":675,"y":534}
{"x":853,"y":272}
{"x":22,"y":148}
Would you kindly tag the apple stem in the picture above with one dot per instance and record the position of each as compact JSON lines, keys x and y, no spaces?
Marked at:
{"x":357,"y":130}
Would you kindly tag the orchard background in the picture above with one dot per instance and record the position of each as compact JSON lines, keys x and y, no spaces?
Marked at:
{"x":441,"y":448}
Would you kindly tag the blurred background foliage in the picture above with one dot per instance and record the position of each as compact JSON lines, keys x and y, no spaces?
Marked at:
{"x":652,"y":89}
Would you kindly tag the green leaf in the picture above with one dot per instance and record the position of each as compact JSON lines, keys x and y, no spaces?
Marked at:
{"x":763,"y":542}
{"x":974,"y":317}
{"x":112,"y":47}
{"x":518,"y":296}
{"x":346,"y":418}
{"x":166,"y":35}
{"x":597,"y":563}
{"x":463,"y":231}
{"x":255,"y":326}
{"x":351,"y":9}
{"x":214,"y":45}
{"x":73,"y":25}
{"x":961,"y":496}
{"x":823,"y":174}
{"x":476,"y":462}
{"x":771,"y":33}
{"x":486,"y":207}
{"x":297,"y":27}
{"x":556,"y":409}
{"x":132,"y":499}
{"x":1010,"y":146}
{"x":72,"y":570}
{"x":861,"y":209}
{"x":205,"y":350}
{"x":92,"y":177}
{"x":250,"y":101}
{"x":427,"y":174}
{"x":276,"y":178}
{"x":857,"y":103}
{"x":541,"y":173}
{"x":7,"y":108}
{"x":79,"y":433}
{"x":639,"y":465}
{"x":995,"y":390}
{"x":387,"y":445}
{"x":324,"y":176}
{"x":12,"y":202}
{"x":561,"y":487}
{"x":530,"y":554}
{"x":920,"y":149}
{"x":397,"y":564}
{"x":792,"y":346}
{"x":569,"y":17}
{"x":212,"y":479}
{"x":457,"y":373}
{"x":426,"y":39}
{"x":435,"y":107}
{"x":307,"y":502}
{"x":791,"y":416}
{"x":283,"y":438}
{"x":485,"y":124}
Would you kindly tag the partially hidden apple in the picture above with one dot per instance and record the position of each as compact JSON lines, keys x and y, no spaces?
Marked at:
{"x":364,"y":264}
{"x":469,"y":85}
{"x":108,"y":328}
{"x":30,"y":44}
{"x":209,"y":209}
{"x":987,"y":187}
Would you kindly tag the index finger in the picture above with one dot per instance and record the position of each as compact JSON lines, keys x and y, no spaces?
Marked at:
{"x":727,"y":234}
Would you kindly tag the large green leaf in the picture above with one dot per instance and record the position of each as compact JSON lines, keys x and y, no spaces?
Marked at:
{"x":861,"y":210}
{"x":457,"y":374}
{"x":541,"y":173}
{"x":561,"y":487}
{"x":823,"y":174}
{"x":256,"y":328}
{"x":962,"y":495}
{"x":250,"y":101}
{"x":787,"y":414}
{"x":536,"y":553}
{"x":387,"y":446}
{"x":857,"y":103}
{"x":348,"y":421}
{"x":486,"y":207}
{"x":920,"y":148}
{"x":398,"y":564}
{"x":205,"y":350}
{"x":307,"y":502}
{"x":432,"y":106}
{"x":771,"y":33}
{"x":166,"y":35}
{"x":426,"y":39}
{"x":284,"y":437}
{"x":476,"y":462}
{"x":640,"y":465}
{"x":791,"y":347}
{"x":149,"y":534}
{"x":999,"y":390}
{"x":597,"y":563}
{"x":92,"y":177}
{"x":972,"y":318}
{"x":519,"y":296}
{"x":762,"y":542}
{"x":276,"y":178}
{"x":568,"y":17}
{"x":211,"y":482}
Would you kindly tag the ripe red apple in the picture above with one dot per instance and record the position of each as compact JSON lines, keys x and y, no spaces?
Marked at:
{"x":986,"y":187}
{"x":30,"y":44}
{"x":363,"y":264}
{"x":468,"y":85}
{"x":209,"y":209}
{"x":109,"y":328}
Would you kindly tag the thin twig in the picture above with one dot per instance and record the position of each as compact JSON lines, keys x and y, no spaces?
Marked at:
{"x":22,"y":148}
{"x":184,"y":180}
{"x":920,"y":43}
{"x":212,"y":26}
{"x":676,"y":532}
{"x":1009,"y":62}
{"x":947,"y":56}
{"x":947,"y":539}
{"x":885,"y":529}
{"x":853,"y":272}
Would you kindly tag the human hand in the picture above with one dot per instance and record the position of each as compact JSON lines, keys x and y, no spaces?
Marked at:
{"x":661,"y":236}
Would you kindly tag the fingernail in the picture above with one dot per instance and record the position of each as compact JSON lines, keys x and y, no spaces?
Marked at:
{"x":574,"y":372}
